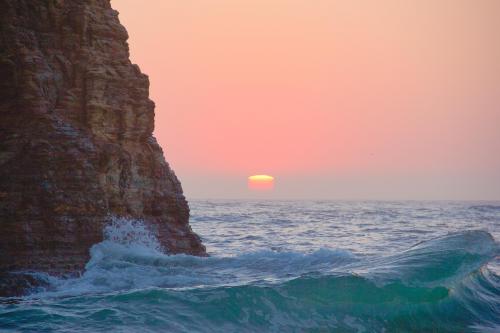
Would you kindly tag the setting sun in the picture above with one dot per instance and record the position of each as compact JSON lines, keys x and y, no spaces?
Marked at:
{"x":261,"y":182}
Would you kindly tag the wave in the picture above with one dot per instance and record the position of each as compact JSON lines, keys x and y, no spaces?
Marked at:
{"x":439,"y":285}
{"x":343,"y":303}
{"x":486,"y":208}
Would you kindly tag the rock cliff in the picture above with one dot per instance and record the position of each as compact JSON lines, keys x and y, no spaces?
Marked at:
{"x":76,"y":143}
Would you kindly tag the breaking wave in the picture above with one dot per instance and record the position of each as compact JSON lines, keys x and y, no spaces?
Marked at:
{"x":130,"y":285}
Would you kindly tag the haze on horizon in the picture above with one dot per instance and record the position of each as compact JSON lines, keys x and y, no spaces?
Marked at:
{"x":337,"y":99}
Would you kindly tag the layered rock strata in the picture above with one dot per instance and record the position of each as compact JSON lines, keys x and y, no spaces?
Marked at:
{"x":76,"y":143}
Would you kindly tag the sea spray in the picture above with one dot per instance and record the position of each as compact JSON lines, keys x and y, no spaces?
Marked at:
{"x":125,"y":237}
{"x":131,"y":232}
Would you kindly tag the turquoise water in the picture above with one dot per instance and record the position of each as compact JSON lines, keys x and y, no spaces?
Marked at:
{"x":286,"y":267}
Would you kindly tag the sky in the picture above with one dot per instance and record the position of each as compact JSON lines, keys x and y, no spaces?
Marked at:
{"x":337,"y":99}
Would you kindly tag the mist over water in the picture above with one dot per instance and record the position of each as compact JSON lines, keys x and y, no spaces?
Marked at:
{"x":286,"y":266}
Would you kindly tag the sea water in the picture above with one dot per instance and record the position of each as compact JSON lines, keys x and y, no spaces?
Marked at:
{"x":285,"y":266}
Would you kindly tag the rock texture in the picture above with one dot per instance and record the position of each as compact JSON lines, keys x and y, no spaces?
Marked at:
{"x":76,"y":142}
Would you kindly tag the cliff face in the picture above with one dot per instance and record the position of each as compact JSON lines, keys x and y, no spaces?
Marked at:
{"x":76,"y":142}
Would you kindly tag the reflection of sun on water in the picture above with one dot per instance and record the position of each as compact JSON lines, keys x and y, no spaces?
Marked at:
{"x":261,"y":183}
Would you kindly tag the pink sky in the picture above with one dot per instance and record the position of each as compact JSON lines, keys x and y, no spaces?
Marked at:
{"x":394,"y":99}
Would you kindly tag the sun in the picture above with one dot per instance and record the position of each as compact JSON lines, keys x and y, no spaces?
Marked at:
{"x":261,"y":183}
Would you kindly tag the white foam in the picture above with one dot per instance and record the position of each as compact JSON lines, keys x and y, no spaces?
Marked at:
{"x":123,"y":238}
{"x":131,"y":257}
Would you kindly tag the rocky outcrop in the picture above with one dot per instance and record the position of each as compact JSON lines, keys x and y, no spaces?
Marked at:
{"x":76,"y":143}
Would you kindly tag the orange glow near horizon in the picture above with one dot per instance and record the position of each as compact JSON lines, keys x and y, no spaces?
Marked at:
{"x":261,"y":183}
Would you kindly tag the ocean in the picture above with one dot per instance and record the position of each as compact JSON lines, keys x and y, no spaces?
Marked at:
{"x":286,"y":266}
